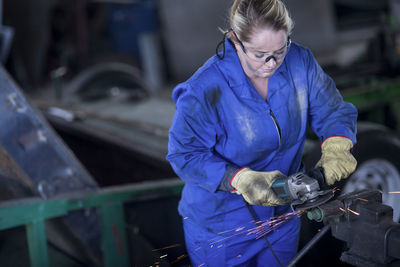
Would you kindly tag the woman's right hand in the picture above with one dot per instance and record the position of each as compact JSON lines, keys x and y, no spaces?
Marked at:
{"x":255,"y":187}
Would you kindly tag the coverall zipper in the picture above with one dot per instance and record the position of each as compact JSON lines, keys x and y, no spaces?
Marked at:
{"x":278,"y":129}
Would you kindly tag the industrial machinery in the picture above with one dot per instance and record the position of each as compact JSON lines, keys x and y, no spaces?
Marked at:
{"x":364,"y":224}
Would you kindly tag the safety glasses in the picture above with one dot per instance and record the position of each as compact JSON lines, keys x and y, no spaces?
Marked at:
{"x":266,"y":57}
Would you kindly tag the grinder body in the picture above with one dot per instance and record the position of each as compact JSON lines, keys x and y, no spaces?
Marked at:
{"x":296,"y":186}
{"x":302,"y":190}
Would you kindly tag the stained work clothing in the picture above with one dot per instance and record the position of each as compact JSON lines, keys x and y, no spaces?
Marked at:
{"x":221,"y":124}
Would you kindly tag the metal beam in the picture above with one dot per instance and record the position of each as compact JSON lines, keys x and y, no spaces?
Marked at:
{"x":37,"y":243}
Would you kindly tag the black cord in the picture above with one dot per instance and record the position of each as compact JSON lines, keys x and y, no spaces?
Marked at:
{"x":222,"y":43}
{"x":265,"y":236}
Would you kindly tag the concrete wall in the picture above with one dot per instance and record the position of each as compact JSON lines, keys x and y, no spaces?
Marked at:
{"x":314,"y":24}
{"x":30,"y":20}
{"x":190,"y":30}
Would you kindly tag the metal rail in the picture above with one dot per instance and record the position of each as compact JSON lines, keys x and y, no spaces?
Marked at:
{"x":33,"y":212}
{"x":309,"y":245}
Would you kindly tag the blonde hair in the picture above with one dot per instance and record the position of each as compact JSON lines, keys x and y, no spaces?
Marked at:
{"x":247,"y":15}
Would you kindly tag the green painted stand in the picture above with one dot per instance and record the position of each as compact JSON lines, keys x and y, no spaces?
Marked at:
{"x":33,"y":212}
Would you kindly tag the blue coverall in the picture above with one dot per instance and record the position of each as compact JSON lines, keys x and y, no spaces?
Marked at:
{"x":221,"y":124}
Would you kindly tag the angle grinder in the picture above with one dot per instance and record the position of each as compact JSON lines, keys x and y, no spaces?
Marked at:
{"x":305,"y":191}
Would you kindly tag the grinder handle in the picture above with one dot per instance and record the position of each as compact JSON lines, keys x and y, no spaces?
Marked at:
{"x":281,"y":188}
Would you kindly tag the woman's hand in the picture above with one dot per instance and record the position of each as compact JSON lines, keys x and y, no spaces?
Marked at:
{"x":336,"y":160}
{"x":255,"y":187}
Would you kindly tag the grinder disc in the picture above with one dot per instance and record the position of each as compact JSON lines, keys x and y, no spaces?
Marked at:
{"x":315,"y":202}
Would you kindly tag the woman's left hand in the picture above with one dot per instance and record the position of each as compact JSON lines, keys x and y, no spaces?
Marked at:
{"x":336,"y":160}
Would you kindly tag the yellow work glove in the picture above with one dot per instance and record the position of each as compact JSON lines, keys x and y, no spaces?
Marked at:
{"x":255,"y":187}
{"x":336,"y":160}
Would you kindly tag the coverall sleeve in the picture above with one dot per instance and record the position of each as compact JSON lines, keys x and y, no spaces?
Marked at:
{"x":192,"y":138}
{"x":329,"y":115}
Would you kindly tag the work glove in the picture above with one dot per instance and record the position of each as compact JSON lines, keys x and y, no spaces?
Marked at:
{"x":255,"y":187}
{"x":336,"y":160}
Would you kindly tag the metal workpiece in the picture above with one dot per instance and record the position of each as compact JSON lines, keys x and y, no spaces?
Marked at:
{"x":345,"y":205}
{"x":366,"y":225}
{"x":328,"y":210}
{"x":393,"y":241}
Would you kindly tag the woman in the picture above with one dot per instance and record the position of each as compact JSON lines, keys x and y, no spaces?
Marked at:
{"x":240,"y":122}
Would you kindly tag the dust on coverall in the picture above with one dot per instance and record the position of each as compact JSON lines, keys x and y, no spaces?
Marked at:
{"x":221,"y":124}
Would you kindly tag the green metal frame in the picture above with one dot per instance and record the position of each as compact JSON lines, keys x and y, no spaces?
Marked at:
{"x":378,"y":99}
{"x":33,"y":212}
{"x":373,"y":94}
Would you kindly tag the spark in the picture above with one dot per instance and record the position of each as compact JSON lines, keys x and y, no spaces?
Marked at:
{"x":394,"y":192}
{"x":352,"y":211}
{"x":172,"y":246}
{"x":335,"y":189}
{"x":263,"y":232}
{"x":186,"y":218}
{"x":348,"y":209}
{"x":216,"y":240}
{"x":232,"y":230}
{"x":362,"y":199}
{"x":262,"y":228}
{"x":267,"y":226}
{"x":179,"y":258}
{"x":223,"y":232}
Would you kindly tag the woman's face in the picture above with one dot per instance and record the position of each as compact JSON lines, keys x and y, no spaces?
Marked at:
{"x":264,"y":53}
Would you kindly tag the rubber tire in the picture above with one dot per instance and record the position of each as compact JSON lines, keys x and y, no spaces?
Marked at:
{"x":105,"y":75}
